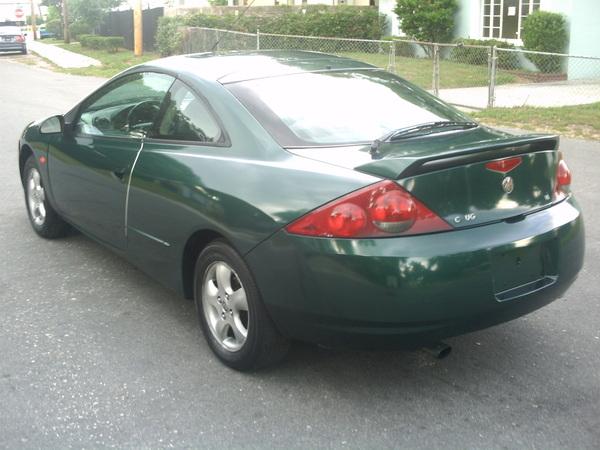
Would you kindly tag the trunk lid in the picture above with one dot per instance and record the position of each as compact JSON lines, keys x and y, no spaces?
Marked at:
{"x":449,"y":172}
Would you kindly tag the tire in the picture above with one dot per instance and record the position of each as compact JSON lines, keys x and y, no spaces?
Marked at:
{"x":24,"y":51}
{"x":43,"y":218}
{"x":229,"y":305}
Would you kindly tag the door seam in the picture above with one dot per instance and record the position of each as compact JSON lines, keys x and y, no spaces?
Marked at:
{"x":128,"y":189}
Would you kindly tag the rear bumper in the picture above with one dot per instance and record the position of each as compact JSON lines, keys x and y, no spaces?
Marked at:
{"x":402,"y":292}
{"x":12,"y":46}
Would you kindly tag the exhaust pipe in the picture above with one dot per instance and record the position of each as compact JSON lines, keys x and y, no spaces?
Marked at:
{"x":438,"y":350}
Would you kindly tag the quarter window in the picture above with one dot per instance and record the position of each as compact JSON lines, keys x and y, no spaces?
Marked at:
{"x":129,"y":104}
{"x":187,"y":118}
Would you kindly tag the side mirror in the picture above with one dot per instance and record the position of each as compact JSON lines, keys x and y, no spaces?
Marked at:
{"x":52,"y":125}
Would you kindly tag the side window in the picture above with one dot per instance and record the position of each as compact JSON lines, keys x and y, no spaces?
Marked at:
{"x":187,"y":118}
{"x":128,"y":104}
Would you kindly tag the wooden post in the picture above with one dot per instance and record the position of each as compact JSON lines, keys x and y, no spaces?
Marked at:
{"x":138,"y":32}
{"x":65,"y":14}
{"x":33,"y":20}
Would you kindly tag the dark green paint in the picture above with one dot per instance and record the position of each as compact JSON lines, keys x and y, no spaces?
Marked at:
{"x":418,"y":287}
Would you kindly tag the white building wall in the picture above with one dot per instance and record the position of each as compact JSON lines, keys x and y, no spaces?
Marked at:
{"x":386,"y":7}
{"x":468,"y":19}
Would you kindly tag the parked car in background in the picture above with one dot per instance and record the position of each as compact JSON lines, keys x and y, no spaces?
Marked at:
{"x":44,"y":33}
{"x":298,"y":195}
{"x":12,"y":39}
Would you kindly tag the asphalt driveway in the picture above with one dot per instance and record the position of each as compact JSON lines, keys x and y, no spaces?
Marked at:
{"x":94,"y":353}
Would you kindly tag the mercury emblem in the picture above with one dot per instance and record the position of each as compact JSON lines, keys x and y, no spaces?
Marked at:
{"x":508,"y":185}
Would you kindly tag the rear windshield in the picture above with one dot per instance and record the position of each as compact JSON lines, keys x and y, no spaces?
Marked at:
{"x":333,"y":108}
{"x":10,"y":31}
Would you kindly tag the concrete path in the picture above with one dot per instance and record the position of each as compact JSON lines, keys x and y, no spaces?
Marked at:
{"x":61,"y":57}
{"x":542,"y":95}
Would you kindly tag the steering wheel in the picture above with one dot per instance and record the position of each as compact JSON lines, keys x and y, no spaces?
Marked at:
{"x":142,"y":115}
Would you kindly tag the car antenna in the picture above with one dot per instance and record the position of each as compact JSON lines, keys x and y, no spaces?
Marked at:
{"x":232,"y":24}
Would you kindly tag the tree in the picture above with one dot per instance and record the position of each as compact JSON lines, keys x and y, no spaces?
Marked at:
{"x":91,"y":12}
{"x":85,"y":15}
{"x":427,"y":20}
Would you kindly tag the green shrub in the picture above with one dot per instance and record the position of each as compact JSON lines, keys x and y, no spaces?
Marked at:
{"x":344,"y":21}
{"x":54,"y":26}
{"x":109,"y":44}
{"x":169,"y":37}
{"x":78,"y":28}
{"x":479,"y":56}
{"x":544,"y":31}
{"x":430,"y":20}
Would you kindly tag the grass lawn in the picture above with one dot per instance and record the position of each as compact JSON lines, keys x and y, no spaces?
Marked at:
{"x":112,"y":63}
{"x":420,"y":71}
{"x":582,"y":121}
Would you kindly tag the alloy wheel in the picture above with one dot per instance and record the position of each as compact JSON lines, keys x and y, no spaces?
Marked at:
{"x":225,"y":306}
{"x":36,"y":197}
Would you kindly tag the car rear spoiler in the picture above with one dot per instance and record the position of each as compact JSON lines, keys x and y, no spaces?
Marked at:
{"x":394,"y":166}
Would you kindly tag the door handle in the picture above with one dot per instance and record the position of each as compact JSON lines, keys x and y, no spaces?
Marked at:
{"x":120,"y":173}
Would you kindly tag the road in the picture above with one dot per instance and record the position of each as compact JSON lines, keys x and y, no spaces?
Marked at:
{"x":93,"y":353}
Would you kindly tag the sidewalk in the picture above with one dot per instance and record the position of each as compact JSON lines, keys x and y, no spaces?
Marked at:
{"x":540,"y":95}
{"x":61,"y":57}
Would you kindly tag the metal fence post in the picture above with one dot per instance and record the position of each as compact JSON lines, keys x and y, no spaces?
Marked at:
{"x":492,"y":63}
{"x":258,"y":39}
{"x":436,"y":70}
{"x":392,"y":57}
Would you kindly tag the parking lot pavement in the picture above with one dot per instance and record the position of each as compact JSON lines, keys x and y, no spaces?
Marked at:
{"x":93,"y":353}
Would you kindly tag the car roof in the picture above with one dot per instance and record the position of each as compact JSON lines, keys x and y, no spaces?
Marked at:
{"x":232,"y":67}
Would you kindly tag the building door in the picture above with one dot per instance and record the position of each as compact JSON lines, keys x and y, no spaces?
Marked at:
{"x":510,"y":19}
{"x":504,"y":18}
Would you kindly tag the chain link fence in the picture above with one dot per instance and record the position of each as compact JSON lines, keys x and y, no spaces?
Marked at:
{"x":472,"y":76}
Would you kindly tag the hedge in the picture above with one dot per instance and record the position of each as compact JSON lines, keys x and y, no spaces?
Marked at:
{"x":479,"y":56}
{"x":344,"y":21}
{"x":110,"y":44}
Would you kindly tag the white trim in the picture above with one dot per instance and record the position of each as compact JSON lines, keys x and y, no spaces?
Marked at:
{"x":129,"y":186}
{"x":519,"y":12}
{"x":501,"y":18}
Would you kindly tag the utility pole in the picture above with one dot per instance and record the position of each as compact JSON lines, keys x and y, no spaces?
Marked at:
{"x":65,"y":14}
{"x":138,"y":32}
{"x":33,"y":21}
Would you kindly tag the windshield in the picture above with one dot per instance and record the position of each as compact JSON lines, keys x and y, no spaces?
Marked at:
{"x":333,"y":108}
{"x":10,"y":31}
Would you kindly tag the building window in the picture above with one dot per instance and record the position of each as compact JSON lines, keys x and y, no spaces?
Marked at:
{"x":504,"y":18}
{"x":492,"y":15}
{"x":527,"y":7}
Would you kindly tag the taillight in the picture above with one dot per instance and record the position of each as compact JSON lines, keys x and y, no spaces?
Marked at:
{"x":563,"y":178}
{"x":20,"y":39}
{"x":382,"y":209}
{"x":563,"y":174}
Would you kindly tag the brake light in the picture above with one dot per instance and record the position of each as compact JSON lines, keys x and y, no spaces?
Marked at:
{"x":504,"y":165}
{"x":563,"y":174}
{"x":563,"y":178}
{"x":379,"y":210}
{"x":20,"y":39}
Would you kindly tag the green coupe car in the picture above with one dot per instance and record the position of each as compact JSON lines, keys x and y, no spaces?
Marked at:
{"x":304,"y":196}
